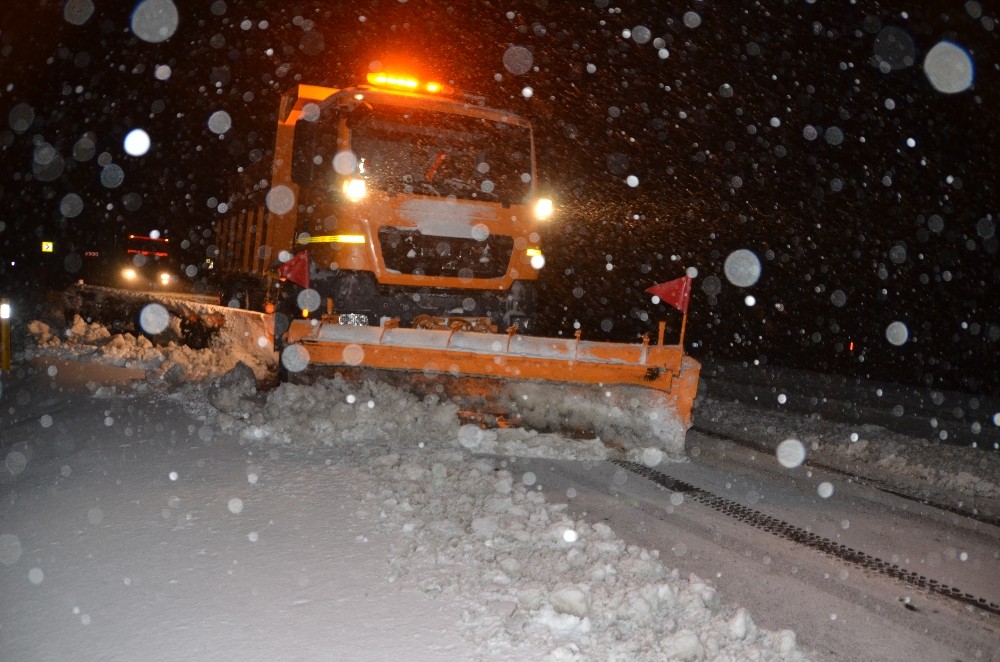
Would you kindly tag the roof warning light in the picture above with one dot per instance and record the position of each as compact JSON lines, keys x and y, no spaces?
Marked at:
{"x":408,"y":83}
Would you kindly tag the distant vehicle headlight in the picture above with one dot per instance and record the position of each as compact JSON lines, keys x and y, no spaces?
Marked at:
{"x":130,"y":274}
{"x":165,"y":278}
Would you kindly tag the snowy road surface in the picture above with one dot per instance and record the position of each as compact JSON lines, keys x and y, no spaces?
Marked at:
{"x":154,"y":511}
{"x":135,"y":527}
{"x":139,"y":523}
{"x":838,"y":609}
{"x":139,"y":534}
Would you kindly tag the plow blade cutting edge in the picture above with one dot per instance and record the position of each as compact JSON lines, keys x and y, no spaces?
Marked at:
{"x":631,"y":395}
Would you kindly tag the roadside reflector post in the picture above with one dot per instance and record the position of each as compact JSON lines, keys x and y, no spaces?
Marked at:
{"x":4,"y":335}
{"x":660,"y":331}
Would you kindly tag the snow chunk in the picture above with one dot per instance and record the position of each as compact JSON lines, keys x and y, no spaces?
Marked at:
{"x":485,"y":527}
{"x":231,"y":392}
{"x":741,"y":625}
{"x":563,"y":625}
{"x":572,"y":600}
{"x":683,"y":646}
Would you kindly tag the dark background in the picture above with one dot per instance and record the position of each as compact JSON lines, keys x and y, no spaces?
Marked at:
{"x":854,"y":229}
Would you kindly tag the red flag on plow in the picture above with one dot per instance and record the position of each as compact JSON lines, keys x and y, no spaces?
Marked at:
{"x":296,"y":269}
{"x":675,"y":292}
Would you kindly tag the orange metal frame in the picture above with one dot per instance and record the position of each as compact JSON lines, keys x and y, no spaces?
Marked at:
{"x":664,"y":368}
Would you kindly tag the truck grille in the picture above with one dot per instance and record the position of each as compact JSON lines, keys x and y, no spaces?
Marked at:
{"x":411,"y":252}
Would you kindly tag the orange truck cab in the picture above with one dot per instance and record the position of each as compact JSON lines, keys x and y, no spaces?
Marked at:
{"x":409,"y":199}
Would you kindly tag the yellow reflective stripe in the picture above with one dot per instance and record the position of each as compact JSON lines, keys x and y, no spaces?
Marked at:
{"x":532,"y":252}
{"x":333,"y":239}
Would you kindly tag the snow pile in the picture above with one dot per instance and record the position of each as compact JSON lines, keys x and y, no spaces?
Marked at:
{"x":926,"y":467}
{"x":623,"y":416}
{"x":529,"y":578}
{"x":536,"y":580}
{"x":914,"y":462}
{"x":366,"y":420}
{"x":172,"y":363}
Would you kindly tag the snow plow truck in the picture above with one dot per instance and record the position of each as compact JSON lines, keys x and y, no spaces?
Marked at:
{"x":398,"y":199}
{"x":408,"y":217}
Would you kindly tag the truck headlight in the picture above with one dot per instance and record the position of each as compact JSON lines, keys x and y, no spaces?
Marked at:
{"x":129,"y":274}
{"x":165,"y":278}
{"x":355,"y":189}
{"x":543,"y":209}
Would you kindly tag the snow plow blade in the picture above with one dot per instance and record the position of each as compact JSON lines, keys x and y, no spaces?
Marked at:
{"x":630,"y":394}
{"x":196,"y":321}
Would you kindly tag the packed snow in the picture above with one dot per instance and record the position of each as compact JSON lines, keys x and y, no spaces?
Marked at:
{"x":462,"y":536}
{"x":920,"y":467}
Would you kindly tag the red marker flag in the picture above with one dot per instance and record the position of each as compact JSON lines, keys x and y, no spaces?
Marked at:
{"x":296,"y":269}
{"x":676,"y":292}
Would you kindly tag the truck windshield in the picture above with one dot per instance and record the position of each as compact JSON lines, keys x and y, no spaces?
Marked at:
{"x":435,"y":153}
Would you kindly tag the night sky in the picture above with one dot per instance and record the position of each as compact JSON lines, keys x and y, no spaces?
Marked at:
{"x":848,"y":148}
